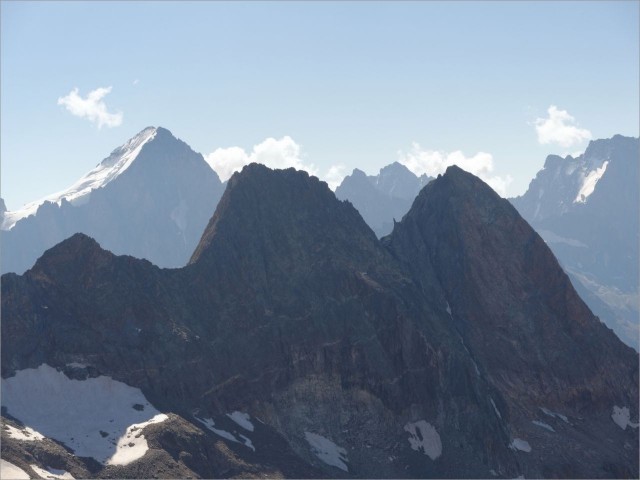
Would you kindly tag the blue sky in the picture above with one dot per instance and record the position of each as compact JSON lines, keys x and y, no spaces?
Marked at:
{"x":334,"y":85}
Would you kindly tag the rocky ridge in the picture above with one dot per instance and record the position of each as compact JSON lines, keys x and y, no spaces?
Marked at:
{"x":430,"y":354}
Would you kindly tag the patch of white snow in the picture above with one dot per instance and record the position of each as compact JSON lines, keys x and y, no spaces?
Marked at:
{"x":555,"y":415}
{"x":89,"y":416}
{"x":247,"y":441}
{"x":10,"y":471}
{"x":327,"y":451}
{"x":26,"y":433}
{"x":622,"y":417}
{"x":519,"y":444}
{"x":589,"y":183}
{"x":77,"y":365}
{"x":495,"y":408}
{"x":424,"y":435}
{"x":543,"y":425}
{"x":210,"y":424}
{"x":241,"y":419}
{"x":132,"y":446}
{"x":52,"y":473}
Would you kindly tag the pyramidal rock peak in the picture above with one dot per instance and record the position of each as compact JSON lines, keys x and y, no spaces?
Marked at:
{"x":150,"y":198}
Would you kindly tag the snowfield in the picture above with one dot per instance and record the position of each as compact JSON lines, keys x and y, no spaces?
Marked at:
{"x":519,"y":444}
{"x":11,"y":472}
{"x":327,"y":451}
{"x":79,"y":193}
{"x":622,"y":417}
{"x":425,"y":436}
{"x":244,"y":440}
{"x":98,"y":417}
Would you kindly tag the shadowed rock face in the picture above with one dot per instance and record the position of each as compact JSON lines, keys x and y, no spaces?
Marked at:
{"x":291,"y":309}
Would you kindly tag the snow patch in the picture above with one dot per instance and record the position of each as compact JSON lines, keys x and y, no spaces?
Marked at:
{"x":589,"y":183}
{"x":495,"y":408}
{"x":93,"y":417}
{"x":622,"y":417}
{"x":10,"y":471}
{"x":51,"y":473}
{"x":555,"y":415}
{"x":543,"y":425}
{"x":241,"y":419}
{"x":210,"y":424}
{"x":27,"y":434}
{"x":77,"y":365}
{"x":133,"y":445}
{"x":425,"y":436}
{"x":519,"y":444}
{"x":106,"y":171}
{"x":327,"y":451}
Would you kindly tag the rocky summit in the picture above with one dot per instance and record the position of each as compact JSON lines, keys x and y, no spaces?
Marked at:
{"x":297,"y":344}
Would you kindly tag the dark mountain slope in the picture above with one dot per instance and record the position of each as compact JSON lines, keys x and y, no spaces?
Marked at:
{"x":515,"y":308}
{"x":292,"y":310}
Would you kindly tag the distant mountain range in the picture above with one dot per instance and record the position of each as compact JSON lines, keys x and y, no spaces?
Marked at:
{"x":151,"y":198}
{"x":383,"y":198}
{"x":296,"y":343}
{"x":587,"y":209}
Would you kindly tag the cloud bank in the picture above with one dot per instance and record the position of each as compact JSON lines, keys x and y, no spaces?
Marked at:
{"x":434,"y":163}
{"x":92,"y":107}
{"x":274,"y":153}
{"x":559,"y":128}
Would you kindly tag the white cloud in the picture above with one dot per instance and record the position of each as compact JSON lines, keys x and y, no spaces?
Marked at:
{"x":274,"y":153}
{"x":92,"y":107}
{"x":560,"y":128}
{"x":282,"y":153}
{"x":434,"y":163}
{"x":335,"y":175}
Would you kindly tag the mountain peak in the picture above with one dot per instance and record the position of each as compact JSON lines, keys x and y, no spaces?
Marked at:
{"x":267,"y":212}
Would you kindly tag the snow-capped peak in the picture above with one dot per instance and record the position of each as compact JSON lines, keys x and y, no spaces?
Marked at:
{"x":107,"y":170}
{"x":589,"y":183}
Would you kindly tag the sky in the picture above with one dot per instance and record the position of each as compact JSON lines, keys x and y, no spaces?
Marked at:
{"x":324,"y":86}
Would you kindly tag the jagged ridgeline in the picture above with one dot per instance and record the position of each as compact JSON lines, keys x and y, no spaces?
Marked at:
{"x":295,"y":343}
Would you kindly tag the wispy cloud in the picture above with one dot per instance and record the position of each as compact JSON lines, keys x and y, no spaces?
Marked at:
{"x":92,"y":107}
{"x":433,"y":163}
{"x":559,"y":128}
{"x":136,"y":81}
{"x":274,"y":153}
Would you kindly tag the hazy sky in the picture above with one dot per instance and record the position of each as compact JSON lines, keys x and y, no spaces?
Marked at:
{"x":329,"y":86}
